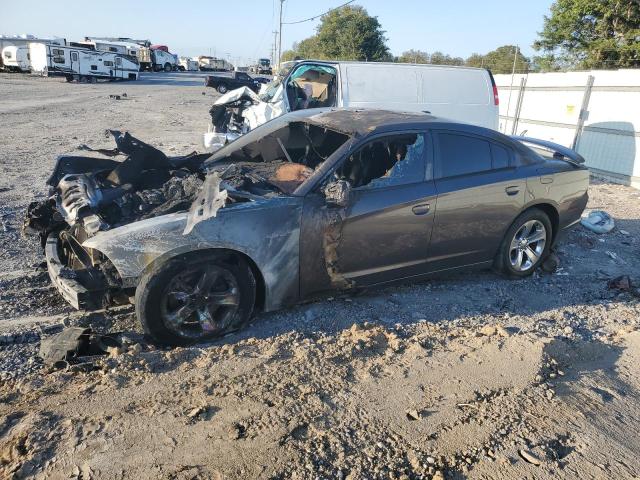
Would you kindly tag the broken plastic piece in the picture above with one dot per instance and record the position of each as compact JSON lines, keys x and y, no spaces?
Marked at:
{"x":598,"y":222}
{"x":207,"y":203}
{"x":74,"y":342}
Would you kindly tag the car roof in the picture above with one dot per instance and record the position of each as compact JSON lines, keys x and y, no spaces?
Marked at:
{"x":359,"y":122}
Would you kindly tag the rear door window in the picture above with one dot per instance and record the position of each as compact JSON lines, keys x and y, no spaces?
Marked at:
{"x":462,"y":155}
{"x":501,"y":156}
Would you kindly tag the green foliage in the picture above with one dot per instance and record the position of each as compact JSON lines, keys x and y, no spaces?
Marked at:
{"x":414,"y":56}
{"x":347,"y":33}
{"x":591,"y":34}
{"x":475,"y":60}
{"x":435,"y":58}
{"x":501,"y":59}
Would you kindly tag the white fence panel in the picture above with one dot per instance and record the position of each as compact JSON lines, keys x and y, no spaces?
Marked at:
{"x":549,"y":107}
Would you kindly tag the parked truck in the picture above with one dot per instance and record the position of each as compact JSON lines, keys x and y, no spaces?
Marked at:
{"x":263,"y":67}
{"x":186,"y":64}
{"x":224,"y":83}
{"x":162,"y":59}
{"x":213,"y":64}
{"x":81,"y":64}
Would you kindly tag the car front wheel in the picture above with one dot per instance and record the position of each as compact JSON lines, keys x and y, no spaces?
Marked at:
{"x":222,"y":88}
{"x":525,"y":245}
{"x":195,"y":298}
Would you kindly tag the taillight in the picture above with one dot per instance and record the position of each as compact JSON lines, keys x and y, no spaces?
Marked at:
{"x":496,"y":98}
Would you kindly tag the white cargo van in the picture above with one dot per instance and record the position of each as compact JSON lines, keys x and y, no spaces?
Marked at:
{"x":459,"y":93}
{"x":462,"y":94}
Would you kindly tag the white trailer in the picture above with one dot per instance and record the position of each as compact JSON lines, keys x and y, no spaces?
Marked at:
{"x":16,"y":58}
{"x":81,"y":64}
{"x":137,"y":48}
{"x":24,"y":41}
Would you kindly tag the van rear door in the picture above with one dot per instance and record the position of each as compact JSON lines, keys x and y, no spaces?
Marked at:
{"x":462,"y":94}
{"x":457,"y":93}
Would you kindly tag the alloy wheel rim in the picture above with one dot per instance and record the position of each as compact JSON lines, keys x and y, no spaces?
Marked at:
{"x":527,"y":245}
{"x":200,"y":301}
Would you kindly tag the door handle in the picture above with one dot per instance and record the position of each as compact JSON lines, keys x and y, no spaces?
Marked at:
{"x":545,"y":180}
{"x":513,"y":190}
{"x":421,"y":209}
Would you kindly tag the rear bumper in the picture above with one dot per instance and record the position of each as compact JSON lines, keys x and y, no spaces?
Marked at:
{"x":80,"y":296}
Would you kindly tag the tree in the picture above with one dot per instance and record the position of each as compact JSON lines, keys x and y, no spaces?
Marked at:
{"x":591,"y":34}
{"x":475,"y":60}
{"x":347,"y":33}
{"x":435,"y":58}
{"x":501,"y":59}
{"x":439,"y":58}
{"x":414,"y":56}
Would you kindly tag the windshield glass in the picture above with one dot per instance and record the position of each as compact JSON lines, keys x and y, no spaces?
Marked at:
{"x":271,"y":88}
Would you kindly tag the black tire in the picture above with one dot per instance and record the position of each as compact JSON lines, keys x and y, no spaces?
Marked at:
{"x":167,"y":67}
{"x":222,"y":88}
{"x":504,"y":261}
{"x":69,"y":78}
{"x":156,"y":68}
{"x":152,"y":297}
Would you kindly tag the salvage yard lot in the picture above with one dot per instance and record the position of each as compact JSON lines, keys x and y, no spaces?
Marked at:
{"x":464,"y":376}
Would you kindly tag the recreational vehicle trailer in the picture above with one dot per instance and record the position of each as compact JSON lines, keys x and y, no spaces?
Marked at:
{"x":137,"y":48}
{"x":16,"y":58}
{"x":81,"y":64}
{"x":24,"y":41}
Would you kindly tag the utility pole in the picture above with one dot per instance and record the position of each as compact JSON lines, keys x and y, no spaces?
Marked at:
{"x":280,"y":36}
{"x":273,"y":50}
{"x":513,"y":74}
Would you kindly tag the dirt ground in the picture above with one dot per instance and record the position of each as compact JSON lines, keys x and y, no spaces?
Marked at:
{"x":463,"y":376}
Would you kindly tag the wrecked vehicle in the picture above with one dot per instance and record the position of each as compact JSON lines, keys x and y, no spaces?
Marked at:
{"x":308,"y":203}
{"x":462,"y":94}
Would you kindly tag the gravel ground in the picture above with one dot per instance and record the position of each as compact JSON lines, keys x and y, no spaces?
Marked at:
{"x":462,"y":376}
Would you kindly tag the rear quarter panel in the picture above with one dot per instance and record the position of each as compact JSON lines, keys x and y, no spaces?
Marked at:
{"x":567,"y":192}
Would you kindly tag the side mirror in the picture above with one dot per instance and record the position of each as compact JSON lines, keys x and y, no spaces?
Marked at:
{"x":337,"y":193}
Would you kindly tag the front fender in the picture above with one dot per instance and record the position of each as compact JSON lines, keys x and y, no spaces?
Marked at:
{"x":267,"y":232}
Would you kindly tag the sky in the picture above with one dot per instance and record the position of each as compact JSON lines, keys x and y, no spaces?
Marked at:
{"x":242,"y":31}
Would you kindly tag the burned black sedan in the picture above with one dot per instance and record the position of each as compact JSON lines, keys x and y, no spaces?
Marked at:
{"x":311,"y":202}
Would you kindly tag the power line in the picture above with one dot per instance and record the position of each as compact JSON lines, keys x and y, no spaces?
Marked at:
{"x":317,"y":16}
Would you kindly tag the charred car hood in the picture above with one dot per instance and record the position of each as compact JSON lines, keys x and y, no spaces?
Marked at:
{"x":267,"y":231}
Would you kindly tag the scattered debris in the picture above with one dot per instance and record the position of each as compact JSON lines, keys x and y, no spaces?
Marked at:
{"x":624,"y":284}
{"x":413,"y":414}
{"x":551,"y":263}
{"x":530,"y":457}
{"x":598,"y":221}
{"x":72,"y":343}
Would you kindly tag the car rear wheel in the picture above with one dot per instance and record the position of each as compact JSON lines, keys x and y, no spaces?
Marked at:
{"x":525,"y":245}
{"x":222,"y":88}
{"x":195,"y":298}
